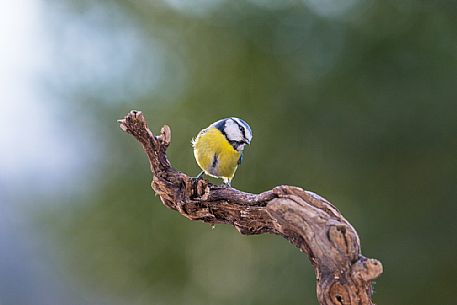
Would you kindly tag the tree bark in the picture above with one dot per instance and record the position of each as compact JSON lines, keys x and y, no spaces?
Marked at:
{"x":307,"y":220}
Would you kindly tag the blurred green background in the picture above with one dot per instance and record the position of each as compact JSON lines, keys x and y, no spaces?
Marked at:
{"x":354,"y":100}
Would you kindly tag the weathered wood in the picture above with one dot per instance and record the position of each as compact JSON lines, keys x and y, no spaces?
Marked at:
{"x":307,"y":220}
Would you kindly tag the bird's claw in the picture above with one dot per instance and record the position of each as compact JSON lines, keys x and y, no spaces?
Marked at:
{"x":226,"y":184}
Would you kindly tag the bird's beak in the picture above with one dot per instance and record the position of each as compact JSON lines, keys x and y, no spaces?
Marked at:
{"x":246,"y":141}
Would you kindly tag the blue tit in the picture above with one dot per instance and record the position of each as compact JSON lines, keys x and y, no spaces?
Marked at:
{"x":218,"y":149}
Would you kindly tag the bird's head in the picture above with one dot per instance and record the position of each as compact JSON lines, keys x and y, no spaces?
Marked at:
{"x":237,"y":132}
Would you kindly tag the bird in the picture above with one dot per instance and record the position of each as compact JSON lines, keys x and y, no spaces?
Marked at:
{"x":218,"y":149}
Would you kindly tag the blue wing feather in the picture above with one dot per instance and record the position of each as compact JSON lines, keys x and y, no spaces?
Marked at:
{"x":240,"y":159}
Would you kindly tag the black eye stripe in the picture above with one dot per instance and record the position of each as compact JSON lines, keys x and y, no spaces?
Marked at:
{"x":241,"y":127}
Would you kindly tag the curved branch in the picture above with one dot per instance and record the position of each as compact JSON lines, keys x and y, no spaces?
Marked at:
{"x":307,"y":220}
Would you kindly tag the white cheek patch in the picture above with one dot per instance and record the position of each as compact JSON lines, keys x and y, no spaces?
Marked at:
{"x":233,"y":131}
{"x":247,"y":129}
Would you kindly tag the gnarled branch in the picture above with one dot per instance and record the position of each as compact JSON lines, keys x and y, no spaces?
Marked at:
{"x":307,"y":220}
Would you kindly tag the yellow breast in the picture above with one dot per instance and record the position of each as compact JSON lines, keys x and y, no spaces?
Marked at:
{"x":214,"y":154}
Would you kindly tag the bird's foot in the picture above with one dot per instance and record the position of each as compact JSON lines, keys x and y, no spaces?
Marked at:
{"x":227,"y":183}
